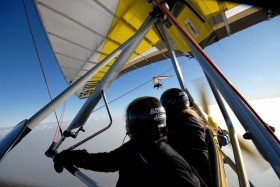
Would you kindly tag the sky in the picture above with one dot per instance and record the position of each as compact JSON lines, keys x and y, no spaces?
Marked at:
{"x":249,"y":59}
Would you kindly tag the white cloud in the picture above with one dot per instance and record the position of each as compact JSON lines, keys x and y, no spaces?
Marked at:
{"x":3,"y":132}
{"x":20,"y":163}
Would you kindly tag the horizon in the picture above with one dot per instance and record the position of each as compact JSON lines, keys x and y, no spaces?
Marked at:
{"x":32,"y":152}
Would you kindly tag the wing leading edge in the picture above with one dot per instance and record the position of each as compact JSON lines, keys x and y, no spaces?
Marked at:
{"x":83,"y":33}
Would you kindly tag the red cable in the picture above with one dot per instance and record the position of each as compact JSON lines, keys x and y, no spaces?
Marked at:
{"x":34,"y":43}
{"x":60,"y":123}
{"x":215,"y":68}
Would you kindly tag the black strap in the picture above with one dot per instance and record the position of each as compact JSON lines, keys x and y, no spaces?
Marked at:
{"x":200,"y":179}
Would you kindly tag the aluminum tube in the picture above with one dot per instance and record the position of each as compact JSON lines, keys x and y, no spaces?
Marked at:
{"x":94,"y":98}
{"x":173,"y":58}
{"x":242,"y":175}
{"x":85,"y":179}
{"x":266,"y":144}
{"x":231,"y":164}
{"x":112,"y":73}
{"x":100,"y":131}
{"x":46,"y":110}
{"x":178,"y":70}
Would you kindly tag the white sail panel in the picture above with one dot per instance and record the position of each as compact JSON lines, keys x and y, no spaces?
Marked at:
{"x":76,"y":31}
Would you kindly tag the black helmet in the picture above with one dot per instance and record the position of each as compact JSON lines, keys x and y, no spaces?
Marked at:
{"x":145,"y":116}
{"x":174,"y":100}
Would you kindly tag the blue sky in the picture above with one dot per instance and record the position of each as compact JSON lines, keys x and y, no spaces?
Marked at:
{"x":249,"y":59}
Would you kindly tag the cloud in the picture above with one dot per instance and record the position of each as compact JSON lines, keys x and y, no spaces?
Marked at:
{"x":4,"y":131}
{"x":27,"y":162}
{"x":43,"y":127}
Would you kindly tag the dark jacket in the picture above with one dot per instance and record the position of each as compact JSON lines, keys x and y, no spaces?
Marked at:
{"x":157,"y":165}
{"x":186,"y":136}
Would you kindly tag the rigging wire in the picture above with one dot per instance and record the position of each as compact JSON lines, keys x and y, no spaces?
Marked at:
{"x":39,"y":59}
{"x":62,"y":114}
{"x":137,"y":87}
{"x":60,"y":123}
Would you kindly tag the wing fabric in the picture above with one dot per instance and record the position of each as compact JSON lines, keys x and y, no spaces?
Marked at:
{"x":82,"y":33}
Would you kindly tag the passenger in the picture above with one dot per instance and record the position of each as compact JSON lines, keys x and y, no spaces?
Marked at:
{"x":146,"y":159}
{"x":186,"y":131}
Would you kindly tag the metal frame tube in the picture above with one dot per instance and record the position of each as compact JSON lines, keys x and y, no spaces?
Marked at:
{"x":242,"y":176}
{"x":77,"y":173}
{"x":85,"y":179}
{"x":112,"y":73}
{"x":178,"y":69}
{"x":46,"y":110}
{"x":100,"y":131}
{"x":94,"y":98}
{"x":231,"y":164}
{"x":173,"y":58}
{"x":263,"y":138}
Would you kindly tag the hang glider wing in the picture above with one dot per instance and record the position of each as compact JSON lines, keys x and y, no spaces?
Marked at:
{"x":82,"y":33}
{"x":162,"y":77}
{"x":157,"y":79}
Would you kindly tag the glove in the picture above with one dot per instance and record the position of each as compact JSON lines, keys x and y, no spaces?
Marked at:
{"x":58,"y":168}
{"x":67,"y":157}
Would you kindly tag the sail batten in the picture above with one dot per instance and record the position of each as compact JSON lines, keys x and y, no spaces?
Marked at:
{"x":82,"y":33}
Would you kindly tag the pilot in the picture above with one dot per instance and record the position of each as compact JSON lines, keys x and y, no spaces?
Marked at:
{"x":158,"y":85}
{"x":186,"y":132}
{"x":146,"y":159}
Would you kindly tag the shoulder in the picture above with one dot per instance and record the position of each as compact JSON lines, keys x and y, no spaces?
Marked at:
{"x":172,"y":159}
{"x":166,"y":151}
{"x":191,"y":121}
{"x":128,"y":146}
